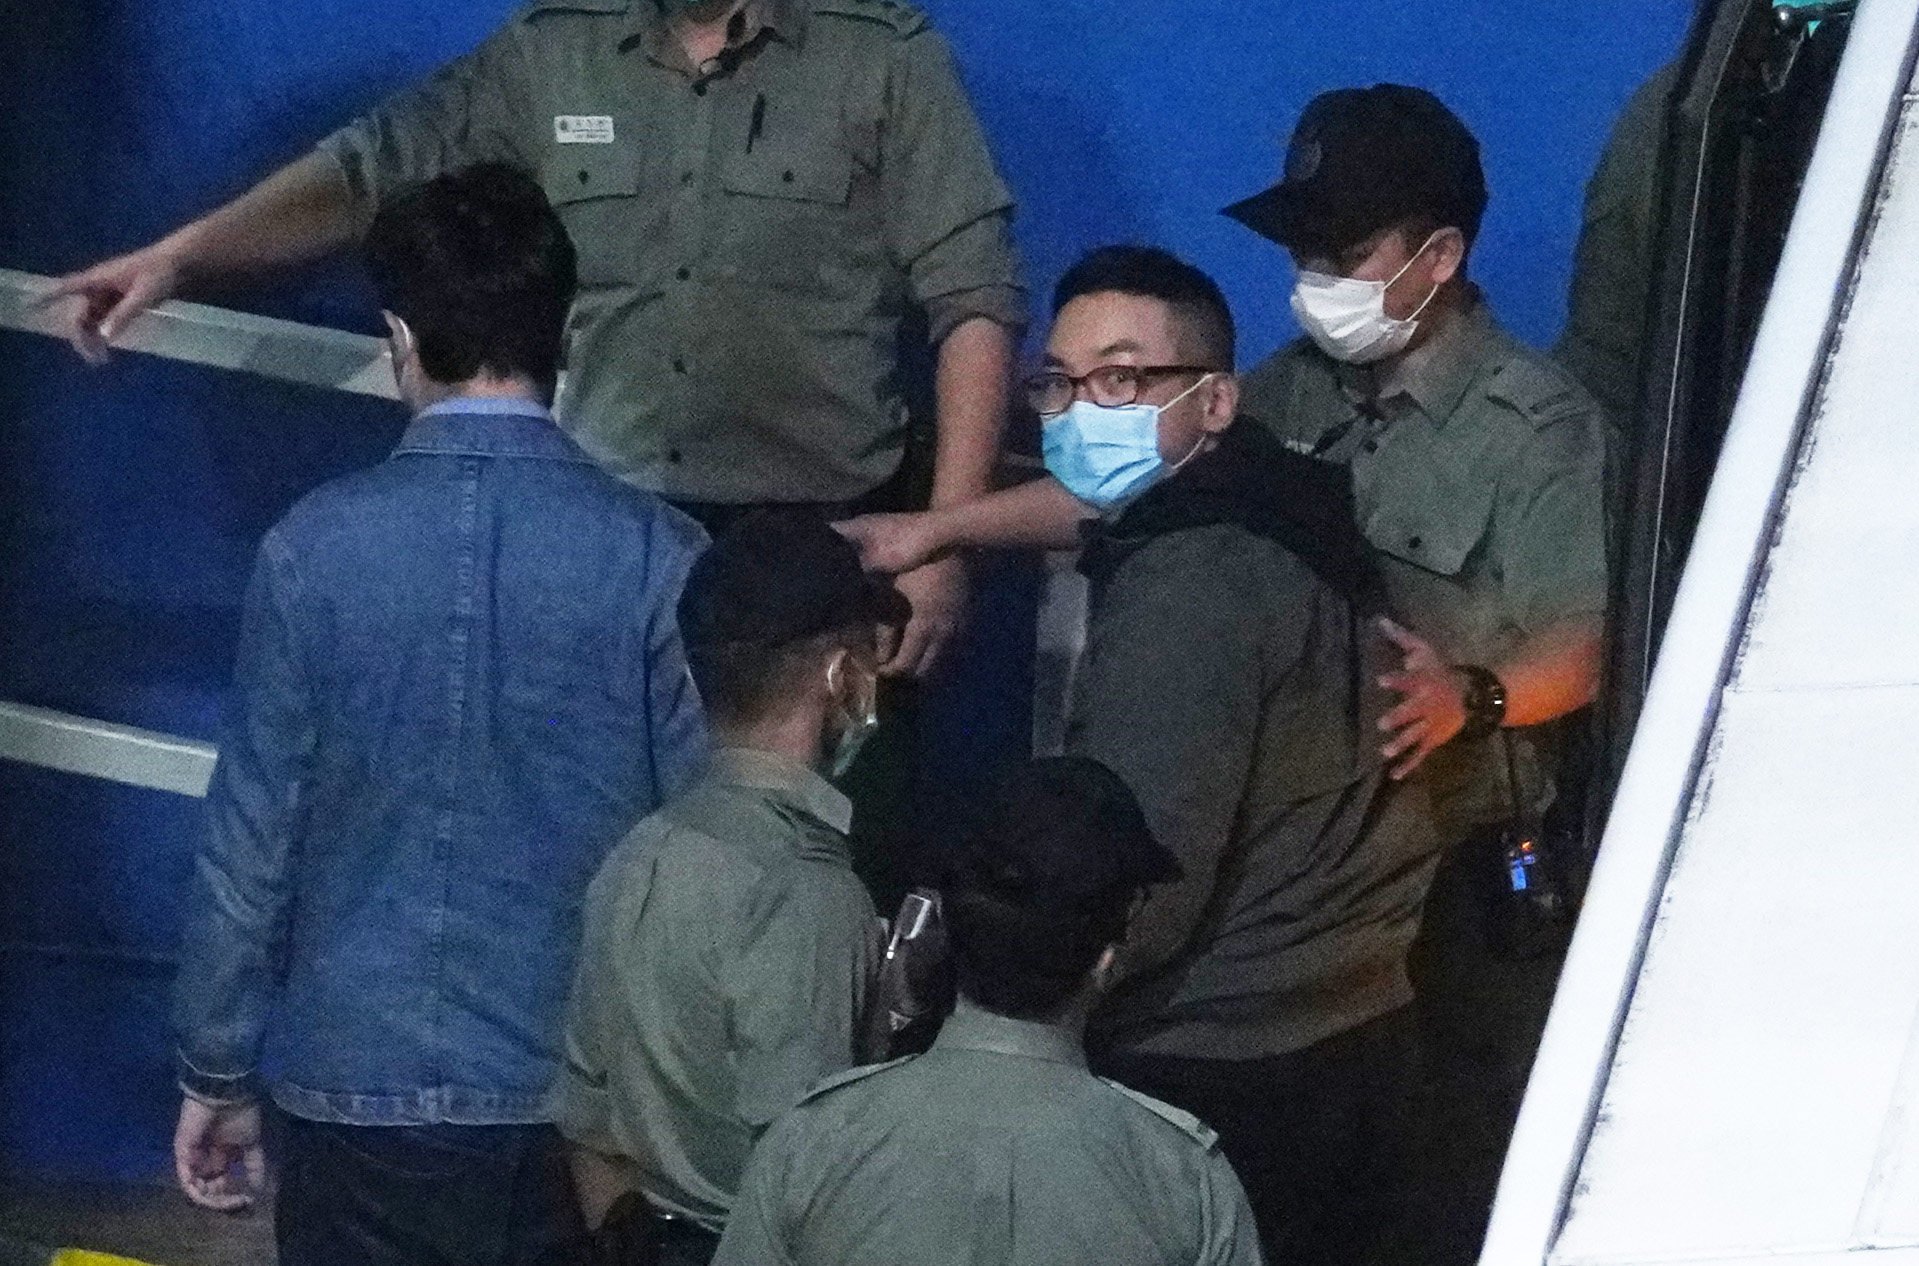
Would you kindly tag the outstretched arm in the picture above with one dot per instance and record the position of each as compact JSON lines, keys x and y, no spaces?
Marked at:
{"x":298,"y":214}
{"x":1040,"y":514}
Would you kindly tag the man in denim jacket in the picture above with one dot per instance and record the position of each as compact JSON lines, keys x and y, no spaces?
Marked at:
{"x":460,"y":682}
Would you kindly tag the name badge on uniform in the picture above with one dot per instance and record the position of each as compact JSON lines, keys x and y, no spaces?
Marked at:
{"x":583,"y":129}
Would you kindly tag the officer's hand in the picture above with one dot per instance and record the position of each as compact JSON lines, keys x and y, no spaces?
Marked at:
{"x":892,"y":544}
{"x":938,"y":592}
{"x":217,"y":1154}
{"x":93,"y":306}
{"x":1432,"y":705}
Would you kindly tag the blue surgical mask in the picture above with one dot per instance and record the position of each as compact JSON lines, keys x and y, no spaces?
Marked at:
{"x":1107,"y":456}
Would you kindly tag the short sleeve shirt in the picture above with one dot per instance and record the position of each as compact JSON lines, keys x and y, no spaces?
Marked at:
{"x":751,"y":233}
{"x":1478,"y":478}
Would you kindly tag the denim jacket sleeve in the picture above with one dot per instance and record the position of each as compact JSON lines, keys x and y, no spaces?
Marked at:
{"x":680,"y":745}
{"x":242,"y":872}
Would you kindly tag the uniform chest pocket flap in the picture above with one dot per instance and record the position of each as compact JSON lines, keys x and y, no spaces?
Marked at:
{"x":1436,"y":525}
{"x":585,"y":173}
{"x":592,"y":187}
{"x":787,"y":225}
{"x":819,"y":173}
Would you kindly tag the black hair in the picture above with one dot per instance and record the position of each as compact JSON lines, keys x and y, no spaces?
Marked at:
{"x":1015,"y":960}
{"x":1147,"y":272}
{"x":477,"y":263}
{"x":744,"y":681}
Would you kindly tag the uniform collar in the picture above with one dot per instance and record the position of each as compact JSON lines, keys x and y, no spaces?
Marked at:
{"x":973,"y":1028}
{"x":787,"y":778}
{"x":1436,"y":375}
{"x":783,"y":20}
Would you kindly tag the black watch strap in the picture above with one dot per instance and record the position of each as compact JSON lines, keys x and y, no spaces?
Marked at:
{"x":1485,"y":701}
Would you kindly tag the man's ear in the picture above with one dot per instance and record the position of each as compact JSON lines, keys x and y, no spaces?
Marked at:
{"x":1103,"y":969}
{"x":1222,"y":403}
{"x":399,"y":331}
{"x":1449,"y":255}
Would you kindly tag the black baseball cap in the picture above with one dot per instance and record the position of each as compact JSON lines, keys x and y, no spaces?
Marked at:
{"x":778,"y":576}
{"x":1064,"y":833}
{"x":1364,"y":159}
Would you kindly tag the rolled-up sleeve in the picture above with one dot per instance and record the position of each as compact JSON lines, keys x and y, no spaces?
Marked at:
{"x":948,"y":213}
{"x":474,"y":109}
{"x":242,"y":871}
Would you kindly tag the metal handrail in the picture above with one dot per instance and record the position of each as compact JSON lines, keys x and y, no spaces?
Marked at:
{"x":310,"y":355}
{"x":286,"y":351}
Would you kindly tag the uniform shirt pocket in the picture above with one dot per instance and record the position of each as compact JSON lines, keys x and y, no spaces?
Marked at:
{"x":1433,"y":523}
{"x":593,"y":187}
{"x":788,"y":220}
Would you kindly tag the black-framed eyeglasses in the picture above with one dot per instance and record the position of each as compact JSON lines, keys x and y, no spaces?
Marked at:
{"x":1052,"y":391}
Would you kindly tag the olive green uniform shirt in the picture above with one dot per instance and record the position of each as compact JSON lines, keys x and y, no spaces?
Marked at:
{"x":1606,"y":309}
{"x":750,"y":234}
{"x":726,"y":956}
{"x":1478,"y":472}
{"x":995,"y":1148}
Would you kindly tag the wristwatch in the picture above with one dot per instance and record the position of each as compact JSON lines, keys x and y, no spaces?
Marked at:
{"x":1485,"y":701}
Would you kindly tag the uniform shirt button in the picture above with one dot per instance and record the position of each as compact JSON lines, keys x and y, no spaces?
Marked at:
{"x":1415,"y":542}
{"x":679,"y":364}
{"x":787,"y":177}
{"x":685,"y":274}
{"x":1371,"y":446}
{"x":673,"y":456}
{"x":699,"y":89}
{"x":686,"y":177}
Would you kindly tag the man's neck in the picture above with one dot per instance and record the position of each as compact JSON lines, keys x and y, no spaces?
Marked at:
{"x":708,"y":31}
{"x":484,"y":387}
{"x":1441,"y":317}
{"x":1071,"y":1017}
{"x":795,"y":736}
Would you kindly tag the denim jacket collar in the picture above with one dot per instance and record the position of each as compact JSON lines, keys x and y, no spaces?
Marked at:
{"x":489,"y":427}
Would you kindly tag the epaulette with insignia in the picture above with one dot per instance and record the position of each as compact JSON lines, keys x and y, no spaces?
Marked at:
{"x":1186,"y":1122}
{"x":826,"y":1085}
{"x":1541,"y":392}
{"x":904,"y":19}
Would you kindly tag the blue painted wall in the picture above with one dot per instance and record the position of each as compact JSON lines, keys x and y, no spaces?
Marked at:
{"x":130,"y":500}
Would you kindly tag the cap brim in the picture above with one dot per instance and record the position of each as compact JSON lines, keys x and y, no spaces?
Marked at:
{"x":1265,"y":213}
{"x":1154,"y":863}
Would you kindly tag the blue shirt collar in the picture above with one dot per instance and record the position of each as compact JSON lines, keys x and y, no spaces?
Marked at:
{"x":489,"y":406}
{"x":489,"y":426}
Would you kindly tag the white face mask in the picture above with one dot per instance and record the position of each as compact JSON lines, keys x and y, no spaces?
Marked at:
{"x":1347,"y":317}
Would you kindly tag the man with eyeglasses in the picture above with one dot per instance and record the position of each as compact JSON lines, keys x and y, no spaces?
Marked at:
{"x":1231,"y":678}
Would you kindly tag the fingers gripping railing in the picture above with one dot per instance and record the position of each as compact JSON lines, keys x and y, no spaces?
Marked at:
{"x":284,"y":350}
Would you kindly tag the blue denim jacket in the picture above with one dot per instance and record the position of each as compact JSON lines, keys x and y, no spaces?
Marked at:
{"x":460,"y":682}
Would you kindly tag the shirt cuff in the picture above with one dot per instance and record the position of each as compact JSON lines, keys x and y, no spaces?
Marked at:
{"x":219,"y":1090}
{"x":1002,"y":305}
